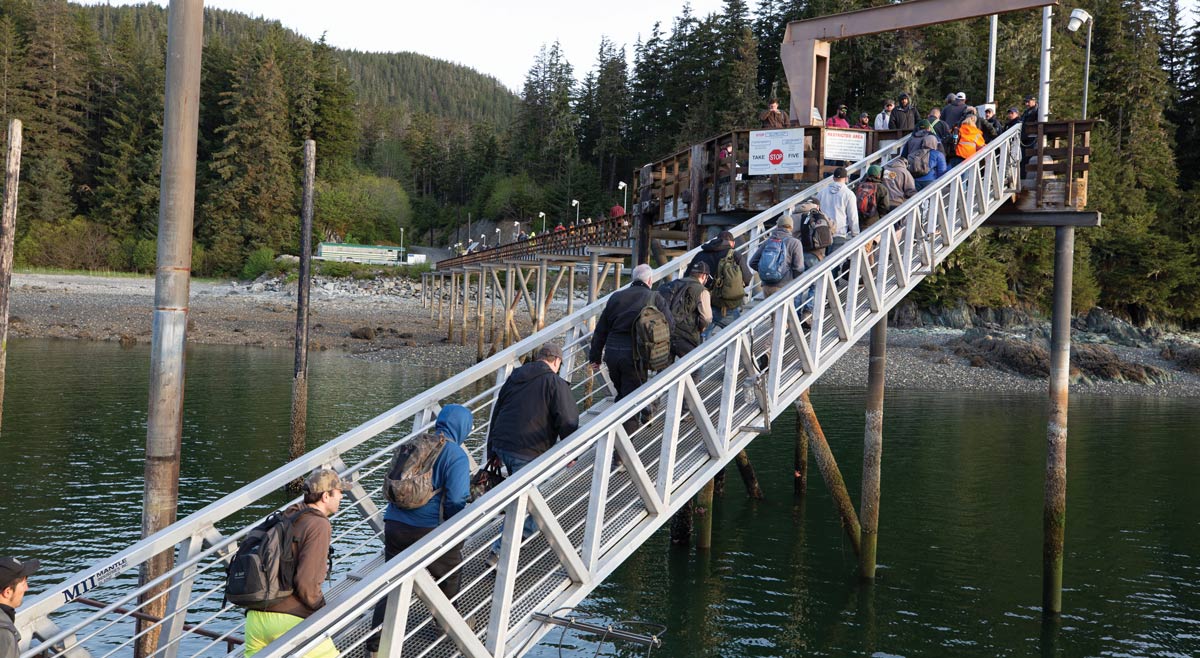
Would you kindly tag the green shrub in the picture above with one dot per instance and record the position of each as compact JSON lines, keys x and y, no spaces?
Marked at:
{"x":199,"y":259}
{"x":144,"y":255}
{"x":336,"y":268}
{"x":260,"y":260}
{"x":73,"y":244}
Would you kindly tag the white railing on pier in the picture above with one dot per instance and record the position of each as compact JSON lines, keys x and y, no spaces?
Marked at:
{"x":707,"y":405}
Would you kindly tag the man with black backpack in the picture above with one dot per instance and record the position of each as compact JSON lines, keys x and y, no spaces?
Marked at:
{"x":728,"y":277}
{"x":306,"y":563}
{"x":427,"y":483}
{"x":691,"y":307}
{"x":779,"y":258}
{"x":616,"y":338}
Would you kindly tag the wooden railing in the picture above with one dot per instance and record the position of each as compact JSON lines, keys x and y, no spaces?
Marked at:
{"x":573,"y":241}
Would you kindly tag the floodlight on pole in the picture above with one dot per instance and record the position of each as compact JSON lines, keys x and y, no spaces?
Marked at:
{"x":1078,"y":18}
{"x":542,"y":216}
{"x":625,"y":202}
{"x":575,"y":202}
{"x":402,"y":258}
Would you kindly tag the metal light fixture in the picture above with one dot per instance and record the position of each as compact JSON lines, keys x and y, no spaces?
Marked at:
{"x":542,"y":216}
{"x":575,"y":202}
{"x":625,"y":203}
{"x":1078,"y":18}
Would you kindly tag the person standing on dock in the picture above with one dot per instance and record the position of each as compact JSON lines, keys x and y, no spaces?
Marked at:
{"x":729,"y":277}
{"x":534,"y":410}
{"x":772,"y":118}
{"x":14,"y":582}
{"x":311,"y":532}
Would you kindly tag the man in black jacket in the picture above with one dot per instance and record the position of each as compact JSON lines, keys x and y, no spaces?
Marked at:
{"x":711,"y":254}
{"x":904,"y":115}
{"x":534,"y":410}
{"x":613,"y":338}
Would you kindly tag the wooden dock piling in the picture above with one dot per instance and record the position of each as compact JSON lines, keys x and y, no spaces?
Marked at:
{"x":8,"y":227}
{"x":873,"y":448}
{"x":829,"y":471}
{"x":704,"y":513}
{"x":1054,"y":513}
{"x":299,"y":417}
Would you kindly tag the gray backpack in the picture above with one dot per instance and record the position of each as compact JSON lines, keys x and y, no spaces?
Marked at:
{"x":263,"y":571}
{"x":409,"y":482}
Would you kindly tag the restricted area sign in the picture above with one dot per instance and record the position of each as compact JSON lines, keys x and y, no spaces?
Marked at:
{"x":845,"y":145}
{"x":777,"y":152}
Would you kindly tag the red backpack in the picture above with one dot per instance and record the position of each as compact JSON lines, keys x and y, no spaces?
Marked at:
{"x":867,"y":193}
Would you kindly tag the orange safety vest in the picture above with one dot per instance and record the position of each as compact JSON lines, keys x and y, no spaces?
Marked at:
{"x":970,"y":140}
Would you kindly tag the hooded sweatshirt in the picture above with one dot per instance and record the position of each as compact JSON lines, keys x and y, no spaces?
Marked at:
{"x":840,"y":204}
{"x":898,"y":180}
{"x":534,"y":409}
{"x":904,"y":116}
{"x":711,"y":253}
{"x":451,"y":474}
{"x":937,"y":161}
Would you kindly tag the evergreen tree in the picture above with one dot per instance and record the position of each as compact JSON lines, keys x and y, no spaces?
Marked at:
{"x":253,"y":200}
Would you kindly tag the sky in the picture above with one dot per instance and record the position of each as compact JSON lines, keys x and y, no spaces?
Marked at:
{"x":495,"y":37}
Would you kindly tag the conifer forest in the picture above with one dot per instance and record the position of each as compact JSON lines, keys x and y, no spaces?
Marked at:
{"x":404,"y":140}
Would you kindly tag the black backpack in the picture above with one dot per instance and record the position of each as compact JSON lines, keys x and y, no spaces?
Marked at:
{"x":683,"y":296}
{"x":263,"y":571}
{"x":816,"y":230}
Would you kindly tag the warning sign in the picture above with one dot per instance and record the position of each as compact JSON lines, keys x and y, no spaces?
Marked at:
{"x":777,"y":152}
{"x":845,"y":145}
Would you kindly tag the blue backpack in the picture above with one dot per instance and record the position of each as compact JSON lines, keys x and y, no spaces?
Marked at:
{"x":772,"y":262}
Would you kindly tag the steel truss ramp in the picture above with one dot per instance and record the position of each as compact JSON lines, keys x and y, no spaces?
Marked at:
{"x":592,"y":511}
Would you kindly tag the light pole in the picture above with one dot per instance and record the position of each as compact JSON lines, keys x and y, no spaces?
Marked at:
{"x":402,"y":258}
{"x":483,"y":240}
{"x":1078,"y":18}
{"x":497,"y":236}
{"x":575,"y":202}
{"x":516,"y":231}
{"x":542,"y":216}
{"x":625,"y":201}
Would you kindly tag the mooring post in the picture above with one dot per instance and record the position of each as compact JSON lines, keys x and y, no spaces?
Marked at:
{"x":296,"y":447}
{"x":453,"y":307}
{"x":571,"y":289}
{"x":873,"y":448}
{"x":1054,"y":514}
{"x":749,"y":478}
{"x":441,"y":290}
{"x":8,"y":227}
{"x":466,"y":305}
{"x":177,"y":200}
{"x":510,"y":305}
{"x":492,"y":289}
{"x":800,"y":460}
{"x":704,"y":510}
{"x":479,"y":315}
{"x":543,"y":303}
{"x":829,"y":471}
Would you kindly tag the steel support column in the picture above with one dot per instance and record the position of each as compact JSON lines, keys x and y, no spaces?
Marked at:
{"x":1054,"y":515}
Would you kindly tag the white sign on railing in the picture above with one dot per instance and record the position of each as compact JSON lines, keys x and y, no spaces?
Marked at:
{"x":777,"y":152}
{"x":850,"y":145}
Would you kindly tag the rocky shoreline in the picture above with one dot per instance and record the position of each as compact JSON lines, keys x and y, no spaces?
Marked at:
{"x":382,"y":320}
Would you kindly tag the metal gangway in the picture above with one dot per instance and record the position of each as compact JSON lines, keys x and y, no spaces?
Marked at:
{"x":592,"y":510}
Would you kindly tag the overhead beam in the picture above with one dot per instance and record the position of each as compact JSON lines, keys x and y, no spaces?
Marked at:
{"x":805,"y":48}
{"x":1088,"y":219}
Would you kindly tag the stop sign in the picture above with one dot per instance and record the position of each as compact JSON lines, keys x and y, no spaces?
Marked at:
{"x":776,"y":157}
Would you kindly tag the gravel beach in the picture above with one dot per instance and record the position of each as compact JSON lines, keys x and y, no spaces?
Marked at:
{"x":263,"y":313}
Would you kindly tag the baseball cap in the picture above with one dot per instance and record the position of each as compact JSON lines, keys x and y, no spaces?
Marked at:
{"x":13,"y":569}
{"x":549,"y":351}
{"x":1030,"y":97}
{"x":961,"y":96}
{"x":697,"y":267}
{"x":785,"y":221}
{"x":324,"y":479}
{"x":840,"y":172}
{"x":1013,"y":110}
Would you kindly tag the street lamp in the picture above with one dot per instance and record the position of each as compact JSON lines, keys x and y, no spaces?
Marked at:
{"x":542,"y":216}
{"x":497,"y":236}
{"x":1078,"y":18}
{"x":575,"y":202}
{"x":402,"y":258}
{"x":483,"y":239}
{"x":625,"y":203}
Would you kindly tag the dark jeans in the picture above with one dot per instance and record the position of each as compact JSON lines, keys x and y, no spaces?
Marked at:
{"x":515,"y":463}
{"x":722,"y":317}
{"x":398,"y":536}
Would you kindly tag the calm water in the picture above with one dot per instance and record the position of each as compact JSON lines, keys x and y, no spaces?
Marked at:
{"x":960,"y":533}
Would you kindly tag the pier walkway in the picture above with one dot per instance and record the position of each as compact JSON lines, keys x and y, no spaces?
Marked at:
{"x":592,"y":515}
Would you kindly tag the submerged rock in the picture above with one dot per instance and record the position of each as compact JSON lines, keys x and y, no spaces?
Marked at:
{"x":1032,"y":359}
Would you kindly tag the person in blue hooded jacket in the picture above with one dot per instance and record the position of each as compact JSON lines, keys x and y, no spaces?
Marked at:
{"x":452,"y":483}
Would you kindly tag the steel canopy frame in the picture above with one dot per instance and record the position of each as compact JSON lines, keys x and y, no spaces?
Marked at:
{"x":707,"y":407}
{"x":202,"y":548}
{"x":806,"y":44}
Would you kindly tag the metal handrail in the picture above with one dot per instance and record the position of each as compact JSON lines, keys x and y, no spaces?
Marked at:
{"x":702,"y":401}
{"x":574,"y":239}
{"x":197,"y":536}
